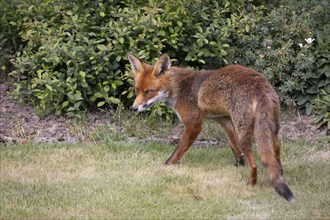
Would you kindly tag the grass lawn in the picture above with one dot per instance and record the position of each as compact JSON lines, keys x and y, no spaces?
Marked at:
{"x":126,"y":180}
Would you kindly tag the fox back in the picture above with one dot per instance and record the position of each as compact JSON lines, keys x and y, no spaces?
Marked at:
{"x":240,"y":99}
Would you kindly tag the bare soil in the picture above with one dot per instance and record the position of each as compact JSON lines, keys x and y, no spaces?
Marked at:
{"x":20,"y":124}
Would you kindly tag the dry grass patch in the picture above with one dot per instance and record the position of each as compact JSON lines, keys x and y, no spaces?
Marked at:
{"x":129,"y":181}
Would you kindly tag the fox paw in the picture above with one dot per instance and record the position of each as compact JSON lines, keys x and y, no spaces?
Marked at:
{"x":240,"y":161}
{"x":169,"y":162}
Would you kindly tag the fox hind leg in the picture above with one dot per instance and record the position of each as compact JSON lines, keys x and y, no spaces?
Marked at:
{"x":229,"y":129}
{"x":246,"y":145}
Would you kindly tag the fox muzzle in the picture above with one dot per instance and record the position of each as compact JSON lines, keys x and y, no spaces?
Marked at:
{"x":141,"y":108}
{"x":161,"y":97}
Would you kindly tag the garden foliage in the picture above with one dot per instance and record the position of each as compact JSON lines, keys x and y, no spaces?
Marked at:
{"x":291,"y":45}
{"x":70,"y":56}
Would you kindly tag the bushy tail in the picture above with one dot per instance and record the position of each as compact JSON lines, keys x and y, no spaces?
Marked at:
{"x":266,"y":131}
{"x":283,"y":189}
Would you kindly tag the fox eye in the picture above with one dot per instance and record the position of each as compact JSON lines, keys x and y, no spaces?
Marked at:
{"x":148,"y":92}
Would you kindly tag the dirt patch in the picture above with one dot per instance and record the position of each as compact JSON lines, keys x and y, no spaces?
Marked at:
{"x":320,"y":156}
{"x":19,"y":123}
{"x":295,"y":127}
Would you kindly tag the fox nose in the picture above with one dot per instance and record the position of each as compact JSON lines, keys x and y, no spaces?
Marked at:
{"x":135,"y":108}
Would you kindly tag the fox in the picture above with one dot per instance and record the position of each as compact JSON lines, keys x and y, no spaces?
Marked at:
{"x":239,"y":98}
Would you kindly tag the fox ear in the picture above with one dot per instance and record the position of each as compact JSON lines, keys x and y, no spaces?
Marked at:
{"x":135,"y":63}
{"x":163,"y":64}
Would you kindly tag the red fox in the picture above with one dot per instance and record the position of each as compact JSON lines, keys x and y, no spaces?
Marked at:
{"x":240,"y":99}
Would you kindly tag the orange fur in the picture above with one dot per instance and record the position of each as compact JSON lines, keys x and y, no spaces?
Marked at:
{"x":239,"y":98}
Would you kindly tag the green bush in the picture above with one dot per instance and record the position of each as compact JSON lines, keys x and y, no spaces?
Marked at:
{"x":71,"y":56}
{"x":322,"y":105}
{"x":74,"y":53}
{"x":278,"y":46}
{"x":9,"y":34}
{"x":68,"y":63}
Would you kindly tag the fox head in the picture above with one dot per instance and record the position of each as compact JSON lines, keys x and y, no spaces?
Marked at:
{"x":150,"y":81}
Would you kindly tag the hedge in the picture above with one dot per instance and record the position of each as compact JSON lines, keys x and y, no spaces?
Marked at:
{"x":70,"y":56}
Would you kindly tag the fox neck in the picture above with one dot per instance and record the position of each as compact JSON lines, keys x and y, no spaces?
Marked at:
{"x":167,"y":91}
{"x":180,"y":82}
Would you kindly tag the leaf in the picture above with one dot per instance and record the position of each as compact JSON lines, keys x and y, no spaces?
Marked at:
{"x":159,"y":111}
{"x":82,"y":74}
{"x":327,"y":88}
{"x":49,"y":87}
{"x":71,"y":109}
{"x":98,"y":95}
{"x":130,"y":94}
{"x":309,"y":109}
{"x":121,"y":40}
{"x":99,"y":104}
{"x":204,"y":16}
{"x":102,"y":14}
{"x":223,"y":52}
{"x":319,"y":38}
{"x":65,"y":104}
{"x":247,"y":28}
{"x":101,"y":47}
{"x":39,"y":72}
{"x":188,"y":57}
{"x":313,"y":90}
{"x":76,"y":105}
{"x":114,"y":100}
{"x":161,"y":33}
{"x":40,"y":96}
{"x":78,"y":96}
{"x":301,"y":99}
{"x":106,"y":88}
{"x":84,"y":84}
{"x":327,"y":71}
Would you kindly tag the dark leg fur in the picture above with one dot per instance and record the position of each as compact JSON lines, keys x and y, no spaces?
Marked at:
{"x":240,"y":161}
{"x":227,"y":125}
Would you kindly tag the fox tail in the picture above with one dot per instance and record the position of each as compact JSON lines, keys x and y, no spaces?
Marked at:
{"x":266,"y":128}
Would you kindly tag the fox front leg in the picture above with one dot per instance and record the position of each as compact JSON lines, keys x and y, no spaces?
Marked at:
{"x":190,"y":134}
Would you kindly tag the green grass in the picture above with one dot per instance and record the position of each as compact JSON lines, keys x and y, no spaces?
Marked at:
{"x":125,"y":180}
